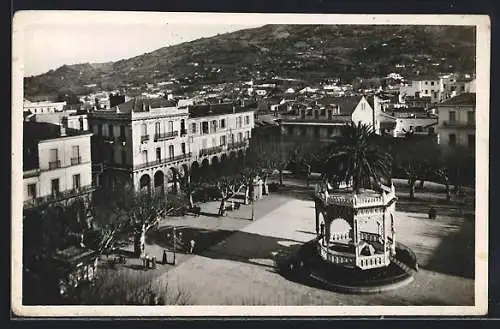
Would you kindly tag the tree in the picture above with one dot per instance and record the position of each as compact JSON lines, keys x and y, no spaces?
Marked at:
{"x":355,"y":157}
{"x":134,"y":212}
{"x":228,"y":187}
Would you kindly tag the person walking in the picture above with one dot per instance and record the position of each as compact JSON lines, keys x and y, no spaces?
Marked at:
{"x":164,"y":258}
{"x":191,"y":246}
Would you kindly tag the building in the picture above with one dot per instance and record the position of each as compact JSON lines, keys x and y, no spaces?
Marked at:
{"x":145,"y":142}
{"x":57,"y":168}
{"x":70,"y":119}
{"x":218,"y":132}
{"x":43,"y":107}
{"x":138,"y":142}
{"x":457,"y":122}
{"x":416,"y":123}
{"x":322,"y":120}
{"x":423,"y":87}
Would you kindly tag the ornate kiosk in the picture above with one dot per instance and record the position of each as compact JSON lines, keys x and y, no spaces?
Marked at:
{"x":355,"y":230}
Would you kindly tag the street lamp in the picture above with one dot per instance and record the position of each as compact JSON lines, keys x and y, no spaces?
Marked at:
{"x":173,"y":237}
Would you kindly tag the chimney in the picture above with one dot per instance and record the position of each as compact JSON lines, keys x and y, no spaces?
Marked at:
{"x":63,"y":126}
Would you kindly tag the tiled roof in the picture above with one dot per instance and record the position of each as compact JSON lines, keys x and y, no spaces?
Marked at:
{"x":462,"y":99}
{"x":346,"y":104}
{"x":140,"y":104}
{"x":197,"y":111}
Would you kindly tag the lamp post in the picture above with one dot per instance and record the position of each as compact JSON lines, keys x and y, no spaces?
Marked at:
{"x":173,"y":236}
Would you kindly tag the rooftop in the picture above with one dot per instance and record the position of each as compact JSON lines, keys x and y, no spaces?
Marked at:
{"x":346,"y":104}
{"x":462,"y":99}
{"x":143,"y":104}
{"x":203,"y":110}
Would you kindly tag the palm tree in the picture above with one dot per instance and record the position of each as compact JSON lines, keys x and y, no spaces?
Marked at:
{"x":355,"y":158}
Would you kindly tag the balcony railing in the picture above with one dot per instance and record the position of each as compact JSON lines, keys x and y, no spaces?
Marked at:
{"x":373,"y":261}
{"x":163,"y":161}
{"x":55,"y":164}
{"x":211,"y":150}
{"x":336,"y":258}
{"x":235,"y":145}
{"x":34,"y":203}
{"x":76,"y":160}
{"x":167,"y":135}
{"x":144,"y":138}
{"x":459,"y":124}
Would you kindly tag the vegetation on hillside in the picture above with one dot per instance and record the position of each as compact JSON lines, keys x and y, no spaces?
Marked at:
{"x":311,"y":52}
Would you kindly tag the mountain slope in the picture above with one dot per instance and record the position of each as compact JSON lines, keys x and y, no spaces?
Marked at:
{"x":302,"y":51}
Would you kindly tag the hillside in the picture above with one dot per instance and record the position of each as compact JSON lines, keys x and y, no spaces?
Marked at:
{"x":311,"y":52}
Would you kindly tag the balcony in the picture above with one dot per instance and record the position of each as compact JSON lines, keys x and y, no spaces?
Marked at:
{"x":374,"y":261}
{"x":54,"y":164}
{"x":165,"y":136}
{"x":183,"y":132}
{"x":144,"y":138}
{"x":236,"y":145}
{"x":163,"y":161}
{"x":459,"y":124}
{"x":76,"y":161}
{"x":121,"y":140}
{"x":211,"y":150}
{"x":37,"y":202}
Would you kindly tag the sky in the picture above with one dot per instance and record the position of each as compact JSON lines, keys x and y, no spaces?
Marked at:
{"x":48,"y":47}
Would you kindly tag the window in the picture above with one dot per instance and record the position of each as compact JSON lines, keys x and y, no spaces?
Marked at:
{"x":110,"y":130}
{"x":55,"y":186}
{"x":471,"y":141}
{"x":144,"y":156}
{"x":247,"y":135}
{"x":124,"y":157}
{"x":247,"y":120}
{"x":158,"y":154}
{"x":425,"y":83}
{"x":54,"y":159}
{"x":144,"y":129}
{"x":223,"y":123}
{"x":462,"y":88}
{"x":240,"y":137}
{"x":183,"y":148}
{"x":204,"y":127}
{"x":309,"y":112}
{"x":81,"y":123}
{"x":452,"y":140}
{"x":452,"y":116}
{"x":76,"y":181}
{"x":193,"y":127}
{"x":122,"y":131}
{"x":75,"y":155}
{"x":214,"y":141}
{"x":99,"y":129}
{"x":204,"y":143}
{"x":171,"y":151}
{"x":214,"y":125}
{"x":363,"y":105}
{"x":432,"y":83}
{"x":323,"y":112}
{"x":170,"y":127}
{"x":470,"y":117}
{"x":426,"y":91}
{"x":157,"y":128}
{"x":32,"y":191}
{"x":239,"y":122}
{"x":222,"y":140}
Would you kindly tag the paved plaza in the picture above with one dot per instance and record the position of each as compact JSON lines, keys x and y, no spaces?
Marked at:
{"x":233,"y":262}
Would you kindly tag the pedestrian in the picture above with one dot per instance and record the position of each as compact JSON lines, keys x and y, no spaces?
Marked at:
{"x":164,"y":258}
{"x":153,"y":260}
{"x":191,"y":246}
